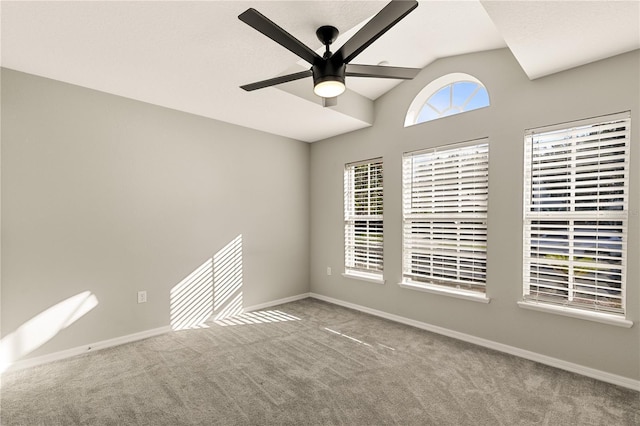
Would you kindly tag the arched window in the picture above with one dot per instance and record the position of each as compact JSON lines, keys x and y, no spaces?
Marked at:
{"x":448,"y":95}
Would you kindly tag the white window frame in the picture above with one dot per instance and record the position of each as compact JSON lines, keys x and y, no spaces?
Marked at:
{"x":413,"y":113}
{"x":445,"y":203}
{"x":364,"y":222}
{"x":575,"y":226}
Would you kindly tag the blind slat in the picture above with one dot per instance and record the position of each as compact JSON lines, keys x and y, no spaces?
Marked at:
{"x":575,"y":215}
{"x":445,"y":195}
{"x":363,"y":220}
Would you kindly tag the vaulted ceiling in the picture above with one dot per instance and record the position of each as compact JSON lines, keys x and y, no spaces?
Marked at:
{"x":193,"y":56}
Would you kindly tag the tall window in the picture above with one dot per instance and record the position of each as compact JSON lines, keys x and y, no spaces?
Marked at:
{"x":363,"y":219}
{"x":444,"y":207}
{"x":575,"y":214}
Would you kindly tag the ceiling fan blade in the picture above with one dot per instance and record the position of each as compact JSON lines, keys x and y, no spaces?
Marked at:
{"x":380,"y":71}
{"x":269,"y":28}
{"x":277,"y":80}
{"x":390,"y":15}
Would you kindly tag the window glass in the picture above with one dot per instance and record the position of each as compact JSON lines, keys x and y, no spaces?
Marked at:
{"x":445,"y":193}
{"x":448,"y":95}
{"x":363,"y":226}
{"x":575,"y":214}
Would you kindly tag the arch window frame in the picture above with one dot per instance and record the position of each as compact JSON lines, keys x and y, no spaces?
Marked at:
{"x":422,"y":98}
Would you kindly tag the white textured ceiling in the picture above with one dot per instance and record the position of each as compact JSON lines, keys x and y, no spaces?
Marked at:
{"x":552,"y":36}
{"x":192,"y":56}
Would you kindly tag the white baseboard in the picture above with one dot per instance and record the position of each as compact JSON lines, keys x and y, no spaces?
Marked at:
{"x":79,"y":350}
{"x":276,"y":302}
{"x":533,"y":356}
{"x":91,"y":347}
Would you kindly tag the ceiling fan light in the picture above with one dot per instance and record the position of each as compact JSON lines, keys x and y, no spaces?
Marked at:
{"x":329,"y":88}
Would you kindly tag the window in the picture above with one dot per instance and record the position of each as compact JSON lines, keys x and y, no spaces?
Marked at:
{"x":575,"y":214}
{"x":444,"y":208}
{"x":363,"y":250}
{"x":448,"y":95}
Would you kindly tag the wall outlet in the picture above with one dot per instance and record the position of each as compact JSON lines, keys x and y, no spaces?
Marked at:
{"x":142,"y":296}
{"x":328,"y":270}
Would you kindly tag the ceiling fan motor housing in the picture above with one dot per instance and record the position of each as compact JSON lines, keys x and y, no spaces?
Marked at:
{"x":328,"y":70}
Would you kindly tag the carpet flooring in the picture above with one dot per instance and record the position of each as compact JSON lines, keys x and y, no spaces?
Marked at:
{"x":307,"y":363}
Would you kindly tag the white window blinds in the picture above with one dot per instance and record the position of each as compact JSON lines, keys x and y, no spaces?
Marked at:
{"x":444,"y":207}
{"x":363,"y":226}
{"x":575,"y":214}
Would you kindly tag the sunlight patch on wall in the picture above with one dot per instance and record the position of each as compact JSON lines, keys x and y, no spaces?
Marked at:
{"x":43,"y":327}
{"x":191,"y":300}
{"x":214,"y":288}
{"x":256,"y":317}
{"x":227,"y":278}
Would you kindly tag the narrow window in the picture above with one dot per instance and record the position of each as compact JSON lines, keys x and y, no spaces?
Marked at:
{"x":445,"y":193}
{"x":363,"y":206}
{"x":575,"y":214}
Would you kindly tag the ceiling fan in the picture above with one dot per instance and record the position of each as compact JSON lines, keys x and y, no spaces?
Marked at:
{"x":329,"y":71}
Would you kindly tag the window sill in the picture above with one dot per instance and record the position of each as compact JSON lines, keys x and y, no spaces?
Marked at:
{"x":577,"y":313}
{"x":362,"y":276}
{"x":446,"y":291}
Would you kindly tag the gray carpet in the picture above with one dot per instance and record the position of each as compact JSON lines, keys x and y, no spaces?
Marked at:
{"x":330,"y":366}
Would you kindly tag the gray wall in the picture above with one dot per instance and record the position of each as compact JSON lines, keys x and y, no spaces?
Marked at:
{"x":516,"y":104}
{"x":109,"y":195}
{"x":112,"y":196}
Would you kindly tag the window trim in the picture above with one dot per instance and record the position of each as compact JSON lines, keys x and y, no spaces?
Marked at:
{"x":434,"y":285}
{"x":601,"y":317}
{"x":458,"y":293}
{"x":372,"y":275}
{"x":431,"y":89}
{"x":365,"y":276}
{"x":575,"y":310}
